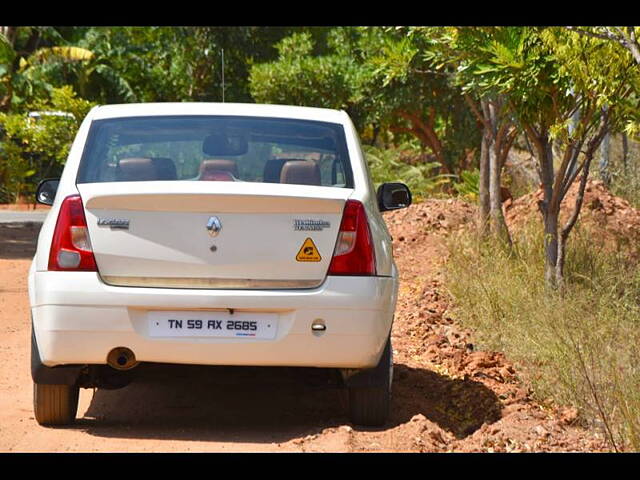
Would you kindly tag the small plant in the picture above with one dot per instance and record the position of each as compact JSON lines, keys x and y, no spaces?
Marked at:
{"x":385,"y":166}
{"x":469,"y":185}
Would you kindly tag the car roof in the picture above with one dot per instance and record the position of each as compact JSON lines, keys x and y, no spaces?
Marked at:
{"x":203,"y":108}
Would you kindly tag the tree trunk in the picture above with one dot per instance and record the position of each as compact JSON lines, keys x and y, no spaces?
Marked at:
{"x":497,"y":222}
{"x":484,"y":183}
{"x":566,"y":230}
{"x":550,"y":212}
{"x":496,"y":218}
{"x":376,"y":132}
{"x":604,"y":159}
{"x":425,"y":131}
{"x":551,"y":247}
{"x":625,"y":152}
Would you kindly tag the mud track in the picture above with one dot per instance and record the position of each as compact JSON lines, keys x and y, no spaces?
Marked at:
{"x":446,"y":395}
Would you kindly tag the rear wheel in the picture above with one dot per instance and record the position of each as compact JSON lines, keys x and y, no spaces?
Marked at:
{"x":369,"y":405}
{"x":55,"y":404}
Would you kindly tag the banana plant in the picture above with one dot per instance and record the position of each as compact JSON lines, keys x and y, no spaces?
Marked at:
{"x":88,"y":70}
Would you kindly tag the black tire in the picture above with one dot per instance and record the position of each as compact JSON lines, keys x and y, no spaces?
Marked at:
{"x":55,"y":404}
{"x":369,"y":405}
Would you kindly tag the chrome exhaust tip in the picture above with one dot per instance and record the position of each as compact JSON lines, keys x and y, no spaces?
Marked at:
{"x":122,"y":358}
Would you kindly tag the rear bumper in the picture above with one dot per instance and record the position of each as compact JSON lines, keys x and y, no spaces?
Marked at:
{"x":78,"y":319}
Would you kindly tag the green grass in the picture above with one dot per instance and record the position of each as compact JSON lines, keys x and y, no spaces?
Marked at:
{"x":579,"y":349}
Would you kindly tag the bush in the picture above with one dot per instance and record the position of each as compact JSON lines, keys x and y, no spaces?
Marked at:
{"x":580,"y":348}
{"x":385,"y":165}
{"x":30,"y":150}
{"x":468,"y":185}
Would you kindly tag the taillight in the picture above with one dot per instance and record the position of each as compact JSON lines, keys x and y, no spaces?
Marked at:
{"x":354,"y":253}
{"x":71,"y":247}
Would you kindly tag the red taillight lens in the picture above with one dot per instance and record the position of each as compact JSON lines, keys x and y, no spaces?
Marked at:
{"x":71,"y":247}
{"x":354,"y":253}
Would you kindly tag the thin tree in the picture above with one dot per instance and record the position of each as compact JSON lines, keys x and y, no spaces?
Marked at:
{"x":563,"y":88}
{"x":499,"y":133}
{"x":573,"y":75}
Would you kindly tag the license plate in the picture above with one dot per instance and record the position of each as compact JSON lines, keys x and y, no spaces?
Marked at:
{"x":213,"y":324}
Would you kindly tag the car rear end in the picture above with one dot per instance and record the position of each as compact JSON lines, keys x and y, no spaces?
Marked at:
{"x":129,"y":258}
{"x":211,"y":234}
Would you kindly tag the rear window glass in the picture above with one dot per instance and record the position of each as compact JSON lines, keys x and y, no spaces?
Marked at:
{"x":215,"y":148}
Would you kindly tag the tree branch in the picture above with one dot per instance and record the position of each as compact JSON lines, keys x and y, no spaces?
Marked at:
{"x":602,"y":36}
{"x":506,"y":146}
{"x":593,"y":144}
{"x":626,"y":39}
{"x":570,"y":179}
{"x":476,"y":112}
{"x":425,"y":132}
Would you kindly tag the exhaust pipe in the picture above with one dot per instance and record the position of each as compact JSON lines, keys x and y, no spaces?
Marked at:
{"x":122,"y":358}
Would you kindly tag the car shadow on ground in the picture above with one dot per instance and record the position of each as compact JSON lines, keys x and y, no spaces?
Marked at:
{"x":268,"y":405}
{"x":460,"y":406}
{"x":18,"y":240}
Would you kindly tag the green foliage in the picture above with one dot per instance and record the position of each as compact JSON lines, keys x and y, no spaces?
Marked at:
{"x":578,"y":349}
{"x":468,"y":186}
{"x":385,"y":165}
{"x":376,"y":75}
{"x":185,"y":63}
{"x":32,"y":150}
{"x":300,"y":78}
{"x":547,"y":73}
{"x":602,"y":75}
{"x":127,"y":64}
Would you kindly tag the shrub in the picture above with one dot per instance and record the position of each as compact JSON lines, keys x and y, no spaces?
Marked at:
{"x":30,"y":150}
{"x":385,"y":165}
{"x":468,"y":186}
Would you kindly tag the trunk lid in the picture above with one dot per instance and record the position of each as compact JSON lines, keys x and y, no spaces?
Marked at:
{"x":163,"y":233}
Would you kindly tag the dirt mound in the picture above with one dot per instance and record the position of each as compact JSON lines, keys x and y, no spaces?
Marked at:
{"x":414,"y":228}
{"x":612,"y":217}
{"x":432,"y":216}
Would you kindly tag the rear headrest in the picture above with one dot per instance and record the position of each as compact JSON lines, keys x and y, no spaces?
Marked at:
{"x":142,"y":168}
{"x":272,"y":170}
{"x":165,"y":168}
{"x":212,"y":168}
{"x":136,"y":169}
{"x":300,"y":172}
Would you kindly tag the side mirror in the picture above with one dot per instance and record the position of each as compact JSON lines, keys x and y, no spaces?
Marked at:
{"x":46,"y":191}
{"x":392,"y":196}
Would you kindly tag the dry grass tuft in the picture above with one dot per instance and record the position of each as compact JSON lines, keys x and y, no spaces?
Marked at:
{"x":579,"y":349}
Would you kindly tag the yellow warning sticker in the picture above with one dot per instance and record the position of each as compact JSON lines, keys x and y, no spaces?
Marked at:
{"x":308,"y":252}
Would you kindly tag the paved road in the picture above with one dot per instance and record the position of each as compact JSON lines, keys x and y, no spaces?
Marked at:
{"x":8,"y":216}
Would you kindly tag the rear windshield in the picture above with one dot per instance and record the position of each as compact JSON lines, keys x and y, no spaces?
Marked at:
{"x":216,"y":148}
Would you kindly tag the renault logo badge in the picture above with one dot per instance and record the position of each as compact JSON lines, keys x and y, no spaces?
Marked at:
{"x":214,"y":226}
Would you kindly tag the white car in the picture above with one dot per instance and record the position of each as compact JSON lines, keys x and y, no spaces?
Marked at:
{"x":213,"y":234}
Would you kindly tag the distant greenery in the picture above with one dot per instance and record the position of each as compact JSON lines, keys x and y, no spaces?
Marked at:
{"x":382,"y":79}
